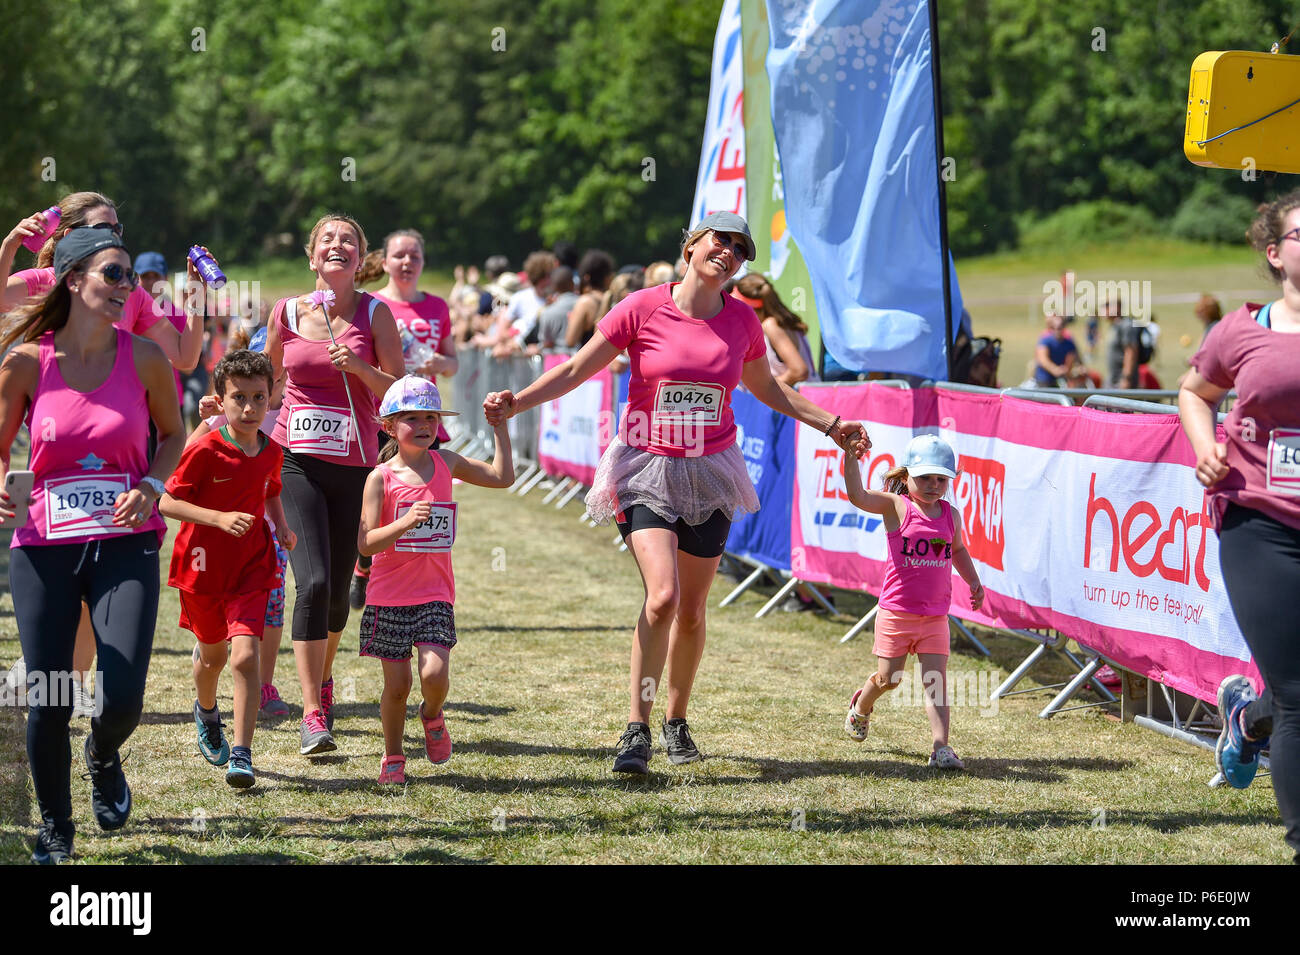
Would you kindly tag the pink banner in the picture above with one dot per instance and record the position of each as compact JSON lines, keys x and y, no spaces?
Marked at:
{"x":576,"y":428}
{"x":1085,"y":521}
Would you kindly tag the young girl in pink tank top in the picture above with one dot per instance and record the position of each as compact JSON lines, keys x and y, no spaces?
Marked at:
{"x":408,"y":524}
{"x":925,"y":545}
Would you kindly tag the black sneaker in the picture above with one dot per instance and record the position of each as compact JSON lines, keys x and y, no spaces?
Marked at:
{"x":110,"y":796}
{"x":633,"y":754}
{"x":675,"y":736}
{"x":357,"y":592}
{"x":53,"y":845}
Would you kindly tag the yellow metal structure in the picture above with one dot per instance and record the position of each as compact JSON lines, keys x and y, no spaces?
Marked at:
{"x":1243,"y":111}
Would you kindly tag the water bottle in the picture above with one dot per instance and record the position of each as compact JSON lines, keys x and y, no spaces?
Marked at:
{"x":208,"y":268}
{"x":415,"y":353}
{"x":52,"y":218}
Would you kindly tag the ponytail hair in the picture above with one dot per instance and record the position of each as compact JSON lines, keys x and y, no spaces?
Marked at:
{"x":30,"y":322}
{"x":895,"y":481}
{"x":389,"y":450}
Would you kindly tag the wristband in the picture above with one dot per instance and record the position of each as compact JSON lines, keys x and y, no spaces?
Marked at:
{"x":832,"y":427}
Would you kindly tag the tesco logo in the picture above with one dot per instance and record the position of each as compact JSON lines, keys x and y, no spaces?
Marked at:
{"x":1141,"y":524}
{"x":979,"y":495}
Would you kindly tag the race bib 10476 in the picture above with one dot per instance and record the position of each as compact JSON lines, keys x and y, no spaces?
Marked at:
{"x":318,"y":429}
{"x":1284,"y":461}
{"x":82,"y":505}
{"x":434,"y":535}
{"x":688,"y":402}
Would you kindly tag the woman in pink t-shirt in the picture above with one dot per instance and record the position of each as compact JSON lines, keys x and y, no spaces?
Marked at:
{"x":673,"y":478}
{"x":421,"y":318}
{"x":1254,"y":487}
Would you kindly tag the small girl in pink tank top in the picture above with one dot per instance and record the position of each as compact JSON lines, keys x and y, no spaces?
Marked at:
{"x":408,"y":524}
{"x":925,"y":545}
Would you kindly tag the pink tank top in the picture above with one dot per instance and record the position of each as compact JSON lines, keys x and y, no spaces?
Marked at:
{"x":416,"y":569}
{"x":919,"y":576}
{"x":314,"y":417}
{"x":87,"y":448}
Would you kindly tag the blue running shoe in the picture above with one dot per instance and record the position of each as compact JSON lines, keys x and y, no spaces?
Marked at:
{"x":1238,"y":757}
{"x":240,"y":771}
{"x":212,"y":742}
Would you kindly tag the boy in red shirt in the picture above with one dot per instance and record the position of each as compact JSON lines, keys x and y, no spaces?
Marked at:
{"x":223,"y":560}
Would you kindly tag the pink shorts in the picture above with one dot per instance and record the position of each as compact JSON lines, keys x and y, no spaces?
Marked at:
{"x":899,"y":633}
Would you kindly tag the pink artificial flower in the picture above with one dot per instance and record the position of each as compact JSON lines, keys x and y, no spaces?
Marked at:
{"x":322,"y":297}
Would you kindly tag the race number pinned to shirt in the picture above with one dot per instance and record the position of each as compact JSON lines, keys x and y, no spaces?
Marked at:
{"x":1284,"y":461}
{"x":688,"y":402}
{"x":82,"y":505}
{"x":318,"y":429}
{"x":434,"y":535}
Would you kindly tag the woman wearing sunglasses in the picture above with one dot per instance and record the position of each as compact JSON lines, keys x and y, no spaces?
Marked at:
{"x":1253,"y":482}
{"x":140,"y":317}
{"x":673,"y":478}
{"x":90,"y":390}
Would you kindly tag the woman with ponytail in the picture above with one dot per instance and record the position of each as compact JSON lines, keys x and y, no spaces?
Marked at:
{"x":788,"y":354}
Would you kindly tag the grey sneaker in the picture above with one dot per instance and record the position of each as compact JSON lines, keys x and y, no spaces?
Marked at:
{"x":675,"y":736}
{"x":83,"y":701}
{"x":633,"y":755}
{"x":316,"y":739}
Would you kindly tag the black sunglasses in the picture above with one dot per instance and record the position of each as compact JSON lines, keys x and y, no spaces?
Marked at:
{"x":115,"y":227}
{"x":114,"y":274}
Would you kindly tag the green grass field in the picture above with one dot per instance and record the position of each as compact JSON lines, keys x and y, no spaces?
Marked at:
{"x":538,"y":698}
{"x":545,"y":607}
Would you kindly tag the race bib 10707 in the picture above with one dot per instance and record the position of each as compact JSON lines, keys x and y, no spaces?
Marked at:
{"x":318,"y":429}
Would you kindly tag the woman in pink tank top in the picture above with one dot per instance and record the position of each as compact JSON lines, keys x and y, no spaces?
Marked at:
{"x":925,"y":546}
{"x":88,"y":391}
{"x":339,"y":356}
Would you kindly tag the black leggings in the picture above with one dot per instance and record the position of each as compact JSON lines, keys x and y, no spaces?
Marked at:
{"x":323,"y":504}
{"x":118,"y":578}
{"x":1260,"y":561}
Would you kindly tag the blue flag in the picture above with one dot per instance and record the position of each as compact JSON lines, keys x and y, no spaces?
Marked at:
{"x":853,"y":112}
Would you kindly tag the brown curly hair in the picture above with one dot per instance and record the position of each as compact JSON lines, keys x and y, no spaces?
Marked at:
{"x":1269,"y":225}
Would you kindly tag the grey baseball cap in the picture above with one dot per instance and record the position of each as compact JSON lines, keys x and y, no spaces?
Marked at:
{"x":730,"y":222}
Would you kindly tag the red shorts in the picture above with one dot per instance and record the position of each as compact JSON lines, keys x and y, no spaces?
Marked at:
{"x":217,"y":617}
{"x":899,"y":633}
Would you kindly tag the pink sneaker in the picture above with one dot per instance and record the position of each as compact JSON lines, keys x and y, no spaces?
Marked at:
{"x":437,"y":741}
{"x":272,"y":707}
{"x":392,"y":771}
{"x":327,"y":703}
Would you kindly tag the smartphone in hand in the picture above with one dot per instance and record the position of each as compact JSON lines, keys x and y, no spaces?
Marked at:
{"x":18,"y":485}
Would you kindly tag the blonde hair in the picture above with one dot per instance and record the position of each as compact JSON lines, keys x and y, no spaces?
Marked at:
{"x":1268,"y":226}
{"x":895,"y":481}
{"x":657,"y":273}
{"x":336,"y":217}
{"x":75,"y":209}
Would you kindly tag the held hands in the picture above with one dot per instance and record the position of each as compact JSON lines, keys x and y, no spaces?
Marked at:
{"x":851,"y":436}
{"x":132,"y":508}
{"x":1213,"y":467}
{"x":977,"y":596}
{"x":498,"y":406}
{"x":417,"y":515}
{"x":236,"y":523}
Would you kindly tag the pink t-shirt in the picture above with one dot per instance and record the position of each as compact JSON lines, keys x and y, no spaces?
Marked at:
{"x":314,"y":417}
{"x":429,"y":320}
{"x":138,"y":315}
{"x":918,"y":578}
{"x":1261,"y":365}
{"x":683,"y":370}
{"x":86,"y":449}
{"x":416,"y":569}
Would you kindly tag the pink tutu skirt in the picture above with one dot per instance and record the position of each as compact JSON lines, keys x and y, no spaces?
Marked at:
{"x":687,"y":488}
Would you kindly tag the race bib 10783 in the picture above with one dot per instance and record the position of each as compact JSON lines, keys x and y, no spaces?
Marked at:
{"x":82,"y":505}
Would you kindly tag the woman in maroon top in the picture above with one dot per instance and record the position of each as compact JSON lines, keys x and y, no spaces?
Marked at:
{"x":339,"y":358}
{"x":1254,"y":482}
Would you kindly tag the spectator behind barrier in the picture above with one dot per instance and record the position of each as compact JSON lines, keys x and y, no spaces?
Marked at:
{"x":594,"y":275}
{"x":1055,"y":355}
{"x":554,"y":320}
{"x":788,"y":354}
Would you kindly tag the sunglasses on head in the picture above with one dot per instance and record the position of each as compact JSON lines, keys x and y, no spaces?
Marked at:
{"x":114,"y":227}
{"x":115,"y":274}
